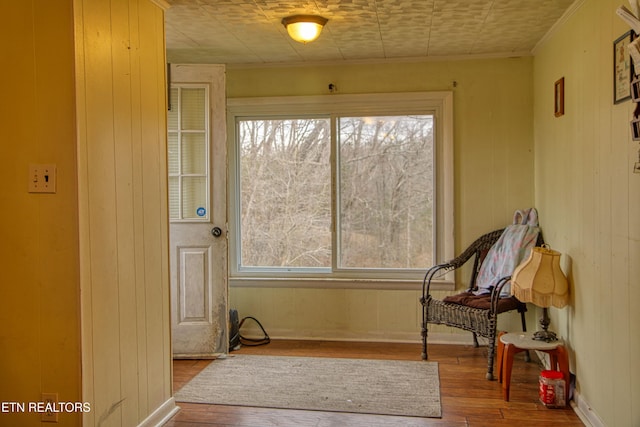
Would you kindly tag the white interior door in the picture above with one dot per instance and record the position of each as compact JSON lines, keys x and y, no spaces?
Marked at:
{"x":197,"y":204}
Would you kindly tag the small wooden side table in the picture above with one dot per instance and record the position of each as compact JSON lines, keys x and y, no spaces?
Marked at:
{"x":511,"y":343}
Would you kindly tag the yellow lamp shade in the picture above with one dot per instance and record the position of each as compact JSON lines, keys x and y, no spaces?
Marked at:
{"x":304,"y":28}
{"x":540,"y":280}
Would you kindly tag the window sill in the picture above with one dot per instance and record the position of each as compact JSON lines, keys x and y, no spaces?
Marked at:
{"x":334,"y":283}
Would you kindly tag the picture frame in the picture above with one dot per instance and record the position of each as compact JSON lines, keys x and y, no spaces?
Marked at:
{"x":622,"y":68}
{"x":635,"y":89}
{"x":635,"y":129}
{"x":558,"y":89}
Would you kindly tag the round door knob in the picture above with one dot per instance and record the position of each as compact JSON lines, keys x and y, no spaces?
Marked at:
{"x":216,"y":232}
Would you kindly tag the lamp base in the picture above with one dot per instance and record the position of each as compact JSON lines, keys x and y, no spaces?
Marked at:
{"x":546,"y":336}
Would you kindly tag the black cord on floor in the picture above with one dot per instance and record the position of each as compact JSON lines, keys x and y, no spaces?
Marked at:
{"x":254,"y":341}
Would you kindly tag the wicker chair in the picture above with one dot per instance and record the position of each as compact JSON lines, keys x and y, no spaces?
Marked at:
{"x":475,"y":314}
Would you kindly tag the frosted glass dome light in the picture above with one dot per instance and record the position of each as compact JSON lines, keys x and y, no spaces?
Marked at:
{"x":304,"y":28}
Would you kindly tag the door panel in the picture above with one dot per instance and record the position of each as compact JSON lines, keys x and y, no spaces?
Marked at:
{"x":193,"y":289}
{"x":197,"y":193}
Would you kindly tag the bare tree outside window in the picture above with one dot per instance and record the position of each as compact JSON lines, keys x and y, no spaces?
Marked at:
{"x":285,"y":181}
{"x":386,"y":192}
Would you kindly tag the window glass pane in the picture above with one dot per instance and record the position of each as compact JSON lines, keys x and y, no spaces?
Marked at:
{"x":192,"y":108}
{"x":194,"y":157}
{"x":172,"y":153}
{"x":285,"y":186}
{"x":386,"y":192}
{"x":194,"y":197}
{"x":187,"y":153}
{"x":174,"y":204}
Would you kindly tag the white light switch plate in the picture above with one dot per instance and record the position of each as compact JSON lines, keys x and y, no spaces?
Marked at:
{"x":42,"y":178}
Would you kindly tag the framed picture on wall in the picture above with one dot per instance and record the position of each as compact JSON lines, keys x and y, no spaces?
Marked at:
{"x":635,"y":129}
{"x":558,"y":97}
{"x":622,"y":68}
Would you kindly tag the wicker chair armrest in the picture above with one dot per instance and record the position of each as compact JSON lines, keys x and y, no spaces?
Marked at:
{"x":484,"y":242}
{"x":461,"y":259}
{"x":432,"y":272}
{"x":495,"y":292}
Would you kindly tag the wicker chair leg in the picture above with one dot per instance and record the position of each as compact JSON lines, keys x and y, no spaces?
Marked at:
{"x":492,"y":352}
{"x":475,"y":340}
{"x":424,"y":341}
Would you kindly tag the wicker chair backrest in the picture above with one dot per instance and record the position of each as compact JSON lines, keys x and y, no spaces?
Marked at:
{"x":480,"y":249}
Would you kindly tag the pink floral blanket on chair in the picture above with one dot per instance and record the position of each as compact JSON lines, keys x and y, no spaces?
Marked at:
{"x":509,"y":251}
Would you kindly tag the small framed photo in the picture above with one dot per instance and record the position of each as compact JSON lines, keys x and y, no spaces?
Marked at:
{"x":635,"y":89}
{"x":635,"y":129}
{"x":558,"y":97}
{"x":622,"y":68}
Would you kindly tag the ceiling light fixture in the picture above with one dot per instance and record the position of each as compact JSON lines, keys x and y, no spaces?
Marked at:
{"x":304,"y":28}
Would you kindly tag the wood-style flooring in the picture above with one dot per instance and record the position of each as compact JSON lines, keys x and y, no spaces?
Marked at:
{"x":468,"y":399}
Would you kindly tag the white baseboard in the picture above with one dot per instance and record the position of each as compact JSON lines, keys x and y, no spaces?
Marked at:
{"x":397,"y":337}
{"x":582,"y":408}
{"x":161,"y":415}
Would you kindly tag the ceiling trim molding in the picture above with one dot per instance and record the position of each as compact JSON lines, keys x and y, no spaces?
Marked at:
{"x":378,"y":61}
{"x":575,"y":6}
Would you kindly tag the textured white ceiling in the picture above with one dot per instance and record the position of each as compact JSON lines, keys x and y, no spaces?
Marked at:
{"x":250,"y":32}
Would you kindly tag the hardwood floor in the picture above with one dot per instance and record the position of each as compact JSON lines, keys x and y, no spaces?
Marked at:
{"x":468,"y":399}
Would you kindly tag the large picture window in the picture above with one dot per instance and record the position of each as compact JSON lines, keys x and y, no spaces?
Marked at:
{"x":337,"y":188}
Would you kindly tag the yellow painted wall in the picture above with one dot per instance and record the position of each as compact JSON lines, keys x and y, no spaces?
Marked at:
{"x":590,"y":200}
{"x":103,"y":234}
{"x":39,"y":283}
{"x":493,"y":146}
{"x":122,"y":193}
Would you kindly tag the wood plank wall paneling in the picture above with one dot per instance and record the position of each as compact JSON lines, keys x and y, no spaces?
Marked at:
{"x":38,"y":244}
{"x":122,"y":192}
{"x":123,"y":96}
{"x":154,"y":113}
{"x":588,"y":194}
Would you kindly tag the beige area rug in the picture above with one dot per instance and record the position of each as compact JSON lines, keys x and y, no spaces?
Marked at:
{"x":385,"y":387}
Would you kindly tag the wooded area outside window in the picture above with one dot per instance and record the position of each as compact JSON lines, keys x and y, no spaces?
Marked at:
{"x":340,"y":187}
{"x":285,"y":193}
{"x":385,"y":191}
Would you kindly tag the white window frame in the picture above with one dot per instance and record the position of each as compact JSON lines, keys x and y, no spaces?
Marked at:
{"x":440,"y":104}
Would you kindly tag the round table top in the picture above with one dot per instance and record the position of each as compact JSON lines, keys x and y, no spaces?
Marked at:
{"x":525,"y":341}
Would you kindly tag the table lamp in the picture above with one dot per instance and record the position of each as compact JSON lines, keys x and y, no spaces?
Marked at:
{"x":539,"y":280}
